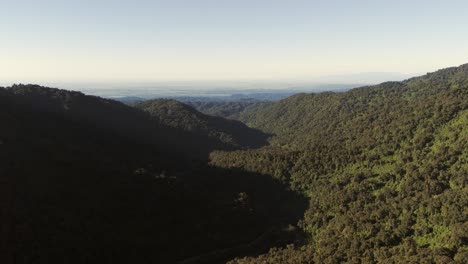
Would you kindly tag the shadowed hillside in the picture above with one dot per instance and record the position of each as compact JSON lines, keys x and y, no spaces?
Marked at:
{"x":228,"y":109}
{"x":90,"y":180}
{"x":181,"y":130}
{"x":377,"y":174}
{"x":181,"y":116}
{"x":384,"y":167}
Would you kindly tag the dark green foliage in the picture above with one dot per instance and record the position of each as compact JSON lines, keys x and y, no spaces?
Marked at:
{"x":178,"y":115}
{"x":385,"y":169}
{"x":225,"y":109}
{"x":88,"y":180}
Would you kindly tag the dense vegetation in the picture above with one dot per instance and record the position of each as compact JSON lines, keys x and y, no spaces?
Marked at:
{"x":183,"y":117}
{"x":385,"y":169}
{"x":226,"y":109}
{"x":373,"y":175}
{"x":89,"y":180}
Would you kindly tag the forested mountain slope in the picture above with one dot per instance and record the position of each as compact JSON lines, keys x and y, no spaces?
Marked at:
{"x":89,"y":180}
{"x":385,"y":169}
{"x":184,"y":117}
{"x":227,"y":109}
{"x":374,"y":175}
{"x":174,"y":130}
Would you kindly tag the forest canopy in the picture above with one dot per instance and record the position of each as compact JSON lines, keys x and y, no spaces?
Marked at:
{"x":385,"y":169}
{"x":377,"y":174}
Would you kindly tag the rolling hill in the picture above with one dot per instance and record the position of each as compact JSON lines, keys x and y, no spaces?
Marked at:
{"x":226,"y":109}
{"x":384,"y":167}
{"x":184,"y":117}
{"x":85,"y":179}
{"x":377,"y":174}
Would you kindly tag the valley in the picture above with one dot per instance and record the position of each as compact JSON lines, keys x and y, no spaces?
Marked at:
{"x":375,"y":174}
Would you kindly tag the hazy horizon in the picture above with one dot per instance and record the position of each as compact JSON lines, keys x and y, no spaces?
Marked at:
{"x":366,"y":78}
{"x":224,"y":42}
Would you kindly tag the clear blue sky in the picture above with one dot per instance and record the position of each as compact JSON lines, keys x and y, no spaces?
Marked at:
{"x":139,"y":40}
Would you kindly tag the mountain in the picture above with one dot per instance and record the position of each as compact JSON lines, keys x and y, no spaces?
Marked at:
{"x":384,"y":168}
{"x":377,"y":174}
{"x":86,"y":179}
{"x":226,"y":109}
{"x":129,"y":99}
{"x":184,"y":117}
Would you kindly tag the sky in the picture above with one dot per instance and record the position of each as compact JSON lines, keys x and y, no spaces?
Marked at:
{"x":116,"y":41}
